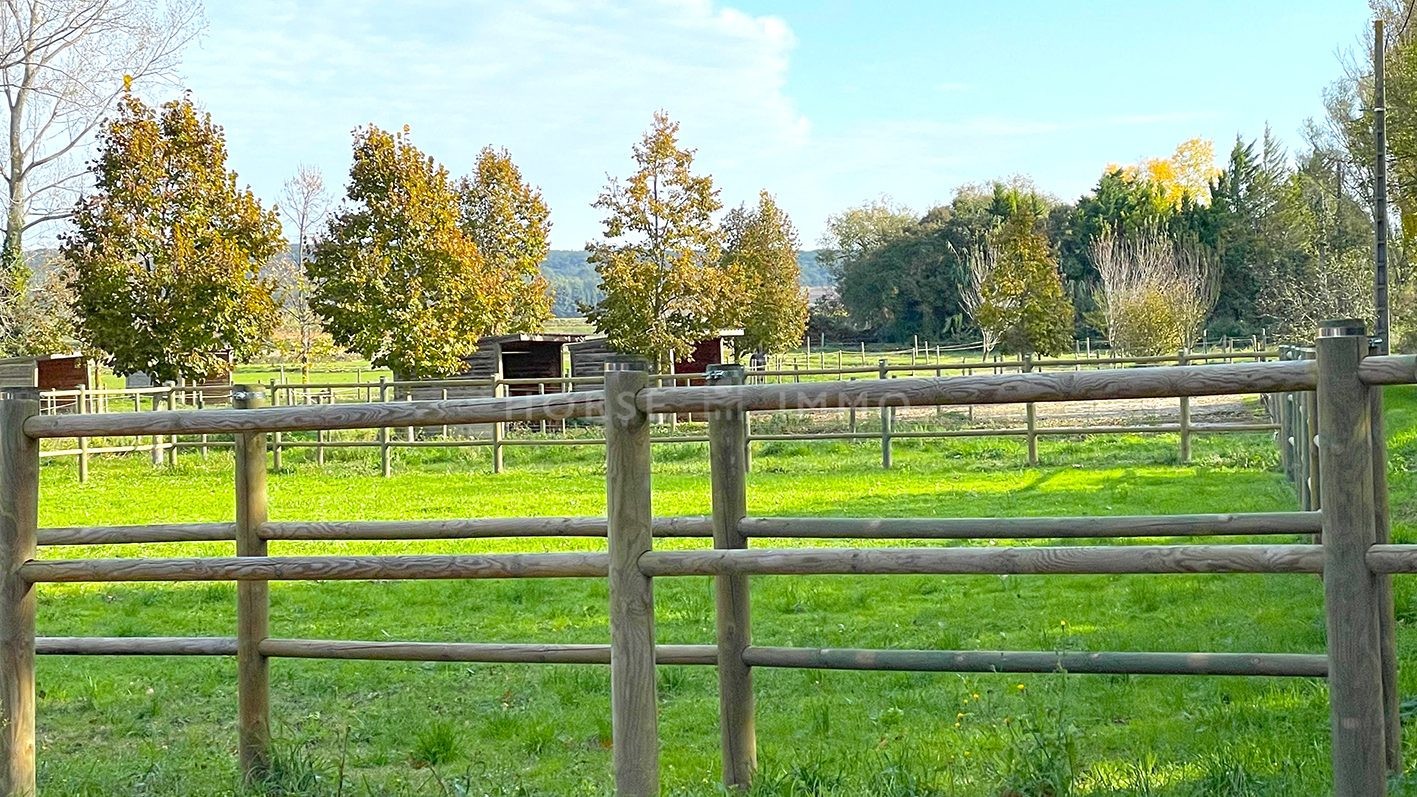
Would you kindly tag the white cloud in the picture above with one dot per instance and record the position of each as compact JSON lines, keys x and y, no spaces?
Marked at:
{"x":567,"y":86}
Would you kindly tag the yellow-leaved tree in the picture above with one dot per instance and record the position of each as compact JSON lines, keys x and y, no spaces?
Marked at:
{"x":658,"y":260}
{"x":760,"y":257}
{"x":397,"y":277}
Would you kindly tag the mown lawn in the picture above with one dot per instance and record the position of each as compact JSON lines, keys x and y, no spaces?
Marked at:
{"x":165,"y":726}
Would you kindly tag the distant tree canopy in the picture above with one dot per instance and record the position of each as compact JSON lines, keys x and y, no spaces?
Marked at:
{"x":760,"y":256}
{"x":166,"y":252}
{"x":399,"y":277}
{"x":658,"y":262}
{"x":1022,"y":303}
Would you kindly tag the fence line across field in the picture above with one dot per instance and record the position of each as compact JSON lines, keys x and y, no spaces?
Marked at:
{"x":1354,"y":554}
{"x":498,"y":435}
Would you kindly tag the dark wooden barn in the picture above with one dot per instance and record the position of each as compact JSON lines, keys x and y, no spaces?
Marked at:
{"x":588,"y":358}
{"x":69,"y":371}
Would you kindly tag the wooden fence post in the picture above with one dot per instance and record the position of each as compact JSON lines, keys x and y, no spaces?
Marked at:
{"x":727,"y":437}
{"x":276,"y":463}
{"x":886,"y":420}
{"x":19,"y":522}
{"x":252,"y":597}
{"x":1311,"y":441}
{"x":157,"y":438}
{"x":1031,"y":413}
{"x":499,"y":431}
{"x":1185,"y":416}
{"x":1351,"y":593}
{"x":201,"y":399}
{"x":633,"y":691}
{"x":1387,"y":619}
{"x":83,"y":441}
{"x":172,"y":439}
{"x":385,"y":461}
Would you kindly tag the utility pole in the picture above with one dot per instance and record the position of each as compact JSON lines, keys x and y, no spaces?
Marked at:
{"x":1380,"y":298}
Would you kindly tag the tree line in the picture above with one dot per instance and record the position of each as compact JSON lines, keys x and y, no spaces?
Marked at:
{"x":1151,"y":258}
{"x":166,"y":260}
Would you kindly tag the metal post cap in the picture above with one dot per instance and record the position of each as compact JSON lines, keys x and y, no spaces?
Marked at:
{"x":1342,"y":328}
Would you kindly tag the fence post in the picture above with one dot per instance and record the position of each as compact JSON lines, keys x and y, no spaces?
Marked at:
{"x":385,"y":461}
{"x":1031,"y":414}
{"x":1185,"y":416}
{"x":19,"y":521}
{"x":727,"y":437}
{"x":1351,"y":593}
{"x":499,"y":431}
{"x":252,"y":597}
{"x":633,"y":691}
{"x":172,"y":439}
{"x":201,"y":405}
{"x":157,"y":438}
{"x":275,"y":438}
{"x":1311,"y":441}
{"x":887,"y":416}
{"x":1387,"y":620}
{"x":83,"y":441}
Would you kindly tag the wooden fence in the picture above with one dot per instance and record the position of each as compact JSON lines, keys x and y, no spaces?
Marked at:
{"x":543,"y":432}
{"x":1356,"y":560}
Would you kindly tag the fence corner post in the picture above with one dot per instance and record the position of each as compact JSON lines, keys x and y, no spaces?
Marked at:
{"x":727,"y":440}
{"x":1351,"y":589}
{"x":252,"y":597}
{"x":19,"y":521}
{"x":634,"y":698}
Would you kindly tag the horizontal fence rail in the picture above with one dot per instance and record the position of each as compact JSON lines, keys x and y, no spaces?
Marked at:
{"x":1352,"y":559}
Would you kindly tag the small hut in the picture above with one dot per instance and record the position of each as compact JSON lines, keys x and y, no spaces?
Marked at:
{"x":67,"y":371}
{"x":588,"y":358}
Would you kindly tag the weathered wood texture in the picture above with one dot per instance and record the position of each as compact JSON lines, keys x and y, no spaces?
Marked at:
{"x":157,"y":532}
{"x":471,"y":528}
{"x":728,"y":439}
{"x":1282,"y":664}
{"x":253,"y":604}
{"x":1021,"y":560}
{"x":316,"y":568}
{"x":633,"y":688}
{"x":1350,"y":587}
{"x":19,"y":520}
{"x":1189,"y":380}
{"x":1387,"y":610}
{"x":135,"y":646}
{"x":503,"y":653}
{"x":320,"y":416}
{"x":1390,"y":369}
{"x":1035,"y":527}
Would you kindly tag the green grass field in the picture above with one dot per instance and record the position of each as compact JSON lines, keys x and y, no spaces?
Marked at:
{"x":166,"y":726}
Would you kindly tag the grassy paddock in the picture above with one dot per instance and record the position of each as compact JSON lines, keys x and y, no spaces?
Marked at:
{"x":166,"y":726}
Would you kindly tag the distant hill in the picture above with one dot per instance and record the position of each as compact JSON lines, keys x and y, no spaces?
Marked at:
{"x":574,"y":280}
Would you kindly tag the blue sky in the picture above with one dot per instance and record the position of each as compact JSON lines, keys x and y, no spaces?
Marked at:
{"x":826,"y":104}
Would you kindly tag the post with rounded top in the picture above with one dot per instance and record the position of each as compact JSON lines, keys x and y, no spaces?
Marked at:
{"x":252,"y":597}
{"x":633,"y":691}
{"x":727,"y":440}
{"x":1351,"y":589}
{"x":19,"y":521}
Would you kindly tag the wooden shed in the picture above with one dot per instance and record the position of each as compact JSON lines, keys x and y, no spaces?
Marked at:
{"x":518,"y":356}
{"x":588,"y":358}
{"x":68,"y":371}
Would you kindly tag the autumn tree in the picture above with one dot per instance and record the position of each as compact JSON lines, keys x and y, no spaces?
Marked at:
{"x":510,"y":224}
{"x":167,"y":251}
{"x":395,"y":277}
{"x":42,"y":322}
{"x":1022,"y":301}
{"x":760,"y":257}
{"x":63,"y":65}
{"x":304,"y":203}
{"x":658,"y":259}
